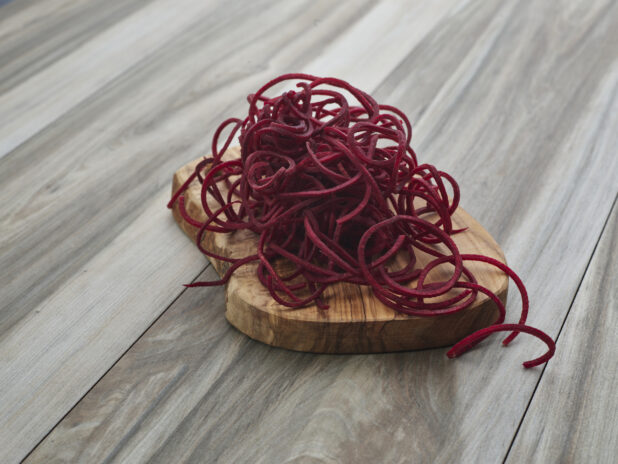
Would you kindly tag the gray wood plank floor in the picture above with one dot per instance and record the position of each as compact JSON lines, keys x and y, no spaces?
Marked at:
{"x":579,"y":423}
{"x":105,"y":358}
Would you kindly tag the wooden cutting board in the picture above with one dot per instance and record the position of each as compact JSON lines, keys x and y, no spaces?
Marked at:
{"x":356,"y":321}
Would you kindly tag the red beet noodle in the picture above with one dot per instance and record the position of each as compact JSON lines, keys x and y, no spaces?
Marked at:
{"x":329,"y":182}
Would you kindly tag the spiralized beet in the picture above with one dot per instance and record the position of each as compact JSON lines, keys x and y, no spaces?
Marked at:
{"x":329,"y":182}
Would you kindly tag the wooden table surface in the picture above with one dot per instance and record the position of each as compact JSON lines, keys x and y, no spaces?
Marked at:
{"x":105,"y":357}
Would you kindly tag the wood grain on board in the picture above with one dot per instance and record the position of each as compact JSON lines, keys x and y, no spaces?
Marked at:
{"x":356,"y":321}
{"x":517,"y":100}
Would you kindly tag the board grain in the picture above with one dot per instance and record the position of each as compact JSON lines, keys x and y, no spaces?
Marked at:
{"x":356,"y":322}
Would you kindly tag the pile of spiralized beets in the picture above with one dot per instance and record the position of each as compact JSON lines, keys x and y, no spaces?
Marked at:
{"x":329,"y":182}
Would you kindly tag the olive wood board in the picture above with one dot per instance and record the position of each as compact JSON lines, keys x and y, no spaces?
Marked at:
{"x":356,"y":322}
